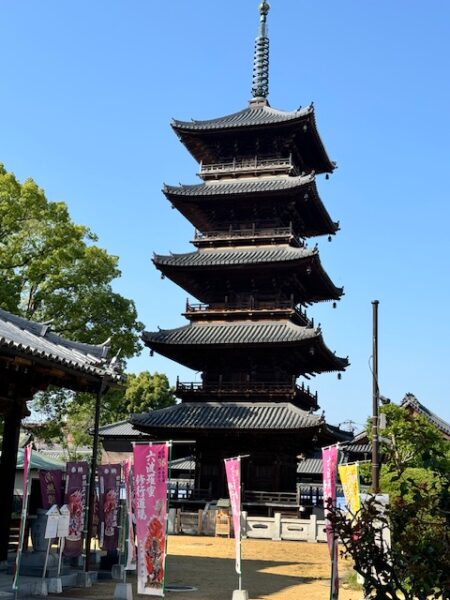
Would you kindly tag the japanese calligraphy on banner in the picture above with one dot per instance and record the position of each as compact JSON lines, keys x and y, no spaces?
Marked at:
{"x":76,"y":482}
{"x":150,"y":487}
{"x":349,"y":476}
{"x":330,"y":461}
{"x":130,"y":504}
{"x":51,"y":488}
{"x":233,"y":471}
{"x":109,"y":490}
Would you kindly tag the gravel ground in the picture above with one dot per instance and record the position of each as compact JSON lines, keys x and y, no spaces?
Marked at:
{"x":271,"y":571}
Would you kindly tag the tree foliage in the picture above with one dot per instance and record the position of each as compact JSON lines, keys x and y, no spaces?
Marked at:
{"x":51,"y":269}
{"x":70,"y":416}
{"x":416,"y":475}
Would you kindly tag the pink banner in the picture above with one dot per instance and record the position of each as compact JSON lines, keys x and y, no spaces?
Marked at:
{"x":130,"y":504}
{"x":109,"y":491}
{"x":233,"y":470}
{"x":150,"y":485}
{"x":51,"y":488}
{"x":330,"y":461}
{"x":76,"y":482}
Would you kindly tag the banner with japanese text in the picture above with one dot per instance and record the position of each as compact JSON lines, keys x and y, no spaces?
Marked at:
{"x":130,"y":508}
{"x":330,"y":460}
{"x":150,"y":486}
{"x":24,"y":515}
{"x":51,"y":488}
{"x":75,"y":498}
{"x":109,"y":495}
{"x":233,"y":471}
{"x":349,"y":476}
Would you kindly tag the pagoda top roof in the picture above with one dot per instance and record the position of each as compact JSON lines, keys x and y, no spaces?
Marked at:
{"x":203,"y":138}
{"x":228,"y":415}
{"x":36,"y":340}
{"x":251,"y":116}
{"x":240,"y":186}
{"x":235,"y":256}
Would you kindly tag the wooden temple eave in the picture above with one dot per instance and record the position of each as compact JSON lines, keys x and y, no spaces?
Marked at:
{"x":38,"y":375}
{"x":302,"y":359}
{"x":304,"y":276}
{"x":298,"y":136}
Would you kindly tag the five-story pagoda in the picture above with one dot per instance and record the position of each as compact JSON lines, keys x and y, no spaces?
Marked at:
{"x":253,"y":275}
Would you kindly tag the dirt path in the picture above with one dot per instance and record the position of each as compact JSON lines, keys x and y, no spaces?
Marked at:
{"x":271,"y":571}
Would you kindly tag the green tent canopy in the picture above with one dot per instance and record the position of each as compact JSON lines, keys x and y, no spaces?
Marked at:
{"x":39,"y":461}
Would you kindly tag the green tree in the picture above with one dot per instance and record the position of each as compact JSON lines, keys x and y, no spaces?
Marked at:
{"x":416,"y":475}
{"x":69,"y":416}
{"x":51,"y":269}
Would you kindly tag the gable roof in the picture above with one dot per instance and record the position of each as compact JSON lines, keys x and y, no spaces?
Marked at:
{"x":36,"y":340}
{"x":410,"y":401}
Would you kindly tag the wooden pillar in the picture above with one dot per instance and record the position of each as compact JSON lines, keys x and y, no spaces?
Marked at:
{"x":8,"y":465}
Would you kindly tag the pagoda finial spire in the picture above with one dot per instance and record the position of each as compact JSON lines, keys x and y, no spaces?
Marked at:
{"x":260,"y":83}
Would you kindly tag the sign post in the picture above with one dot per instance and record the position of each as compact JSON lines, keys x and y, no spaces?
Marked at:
{"x":24,"y":515}
{"x":233,"y":471}
{"x":330,"y":457}
{"x":63,"y":531}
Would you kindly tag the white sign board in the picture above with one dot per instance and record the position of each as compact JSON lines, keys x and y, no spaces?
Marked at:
{"x":51,"y":527}
{"x":63,"y":522}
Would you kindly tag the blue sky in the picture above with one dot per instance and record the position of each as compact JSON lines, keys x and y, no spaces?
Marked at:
{"x":88,"y":92}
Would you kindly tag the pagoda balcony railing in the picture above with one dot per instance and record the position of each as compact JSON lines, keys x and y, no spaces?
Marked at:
{"x":243,"y":166}
{"x":250,"y":388}
{"x":230,"y":234}
{"x":248,"y":305}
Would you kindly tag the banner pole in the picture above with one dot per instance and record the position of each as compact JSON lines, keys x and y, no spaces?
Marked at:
{"x":26,"y":491}
{"x":240,"y":519}
{"x":169,"y":472}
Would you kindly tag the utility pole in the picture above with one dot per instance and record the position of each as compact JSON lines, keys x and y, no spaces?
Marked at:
{"x":375,"y":402}
{"x":91,"y":498}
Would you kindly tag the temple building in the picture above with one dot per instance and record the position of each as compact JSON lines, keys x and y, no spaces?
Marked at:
{"x":253,"y":274}
{"x":32,"y":358}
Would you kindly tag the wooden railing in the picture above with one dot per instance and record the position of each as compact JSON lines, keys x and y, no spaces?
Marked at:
{"x":187,"y":491}
{"x":249,"y":304}
{"x":248,"y":233}
{"x":273,"y":498}
{"x":247,"y":165}
{"x":245,"y":388}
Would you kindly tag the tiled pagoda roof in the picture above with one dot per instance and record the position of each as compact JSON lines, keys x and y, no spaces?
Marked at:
{"x":36,"y":340}
{"x":228,"y":415}
{"x":199,"y":136}
{"x":199,"y":203}
{"x":240,"y":186}
{"x":196,"y":344}
{"x":251,"y":116}
{"x":189,"y":270}
{"x":235,"y":256}
{"x":238,"y":332}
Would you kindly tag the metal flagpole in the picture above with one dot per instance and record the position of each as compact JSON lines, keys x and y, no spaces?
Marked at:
{"x":240,"y":517}
{"x":26,"y":492}
{"x":169,"y":468}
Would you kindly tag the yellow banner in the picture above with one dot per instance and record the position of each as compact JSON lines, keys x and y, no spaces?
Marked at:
{"x":349,"y":475}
